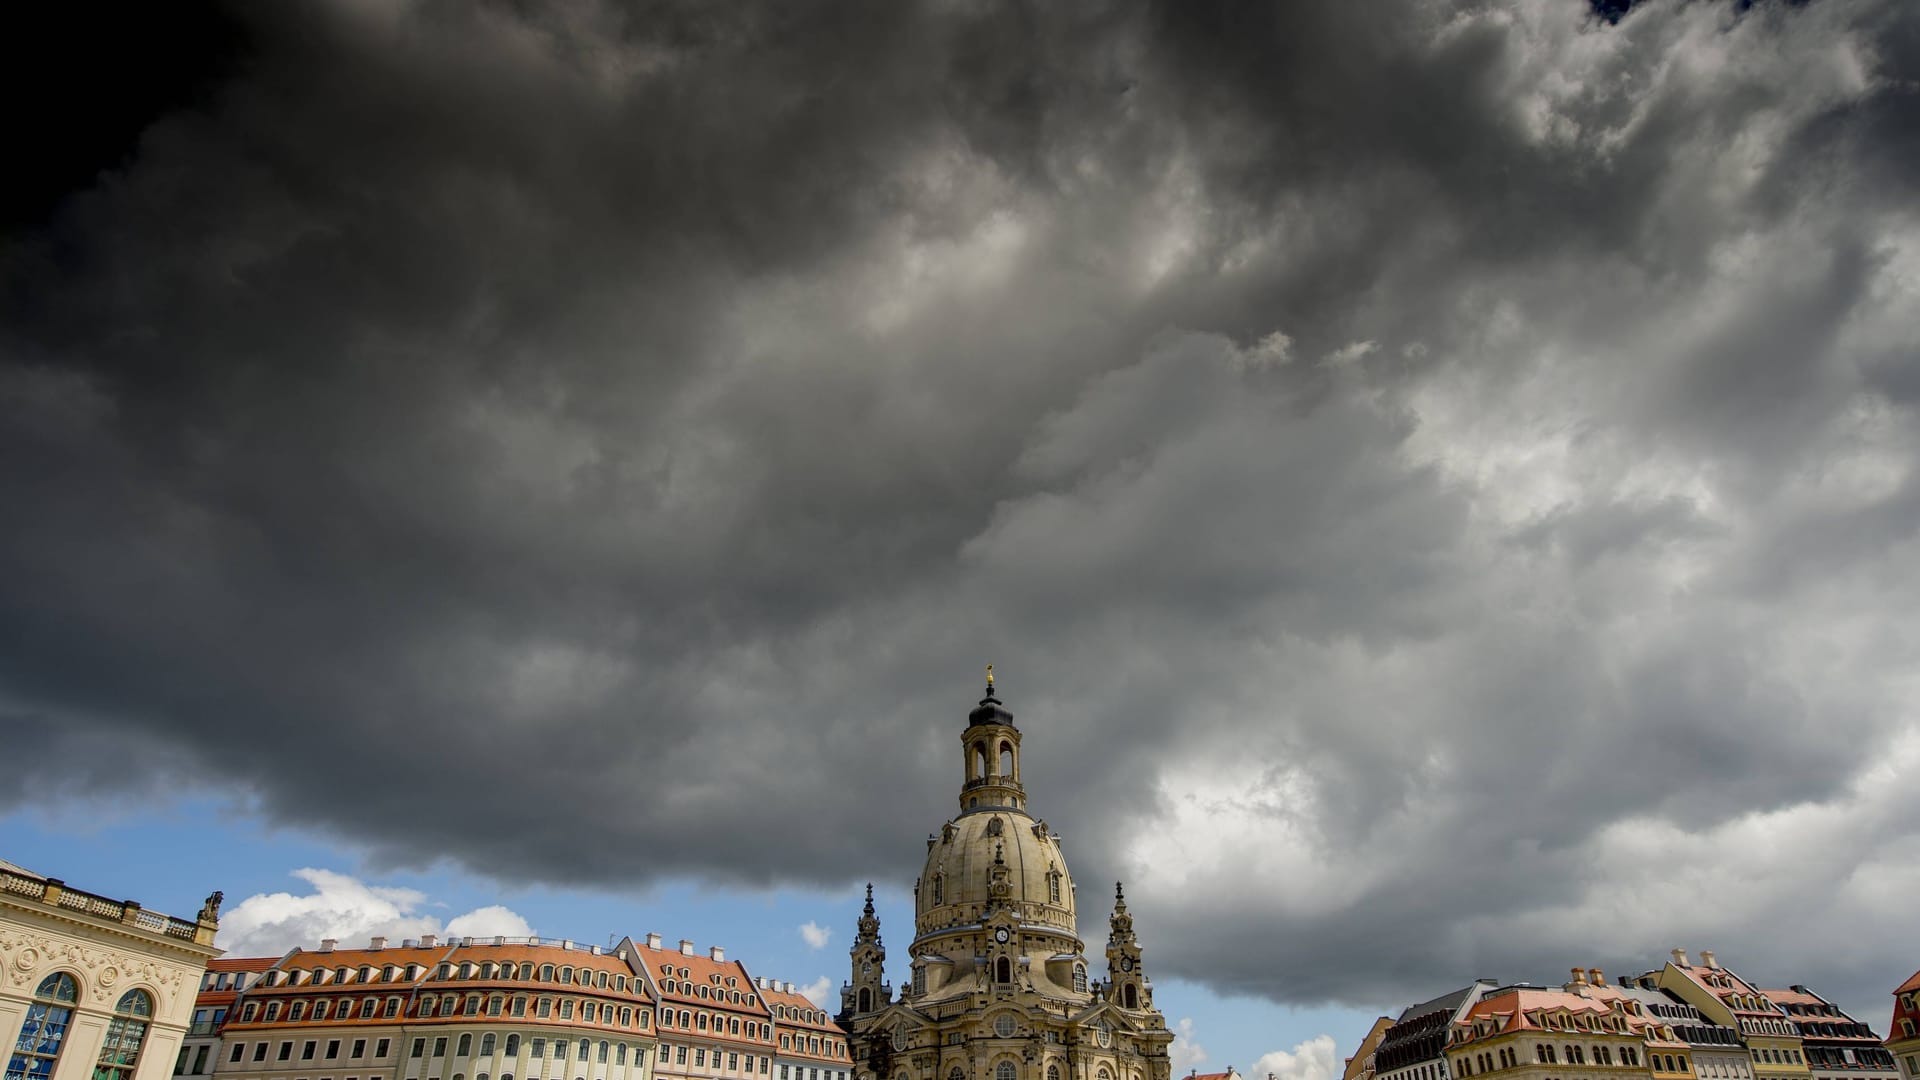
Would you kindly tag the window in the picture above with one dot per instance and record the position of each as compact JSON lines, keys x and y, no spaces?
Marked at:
{"x":699,"y":1056}
{"x":513,"y":1044}
{"x":38,"y":1048}
{"x":1003,"y":1071}
{"x":393,"y":1008}
{"x":246,"y":1014}
{"x":286,"y":1051}
{"x":419,"y":1048}
{"x":426,"y":1007}
{"x":320,"y":1009}
{"x":273,"y":1011}
{"x":519,"y":1005}
{"x":486,"y":1045}
{"x":588,"y":1011}
{"x":380,"y":1049}
{"x":700,"y":1020}
{"x":440,"y":1046}
{"x":560,"y":1049}
{"x":471,"y":1006}
{"x":493,"y":1005}
{"x":307,"y":1048}
{"x":465,"y":1046}
{"x":1053,"y":1072}
{"x":543,"y":1007}
{"x":296,"y":1010}
{"x":601,"y":1057}
{"x":680,"y":1055}
{"x":537,"y":1047}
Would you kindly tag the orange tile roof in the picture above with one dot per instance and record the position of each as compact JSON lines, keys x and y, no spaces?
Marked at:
{"x":1910,"y":985}
{"x":664,"y":967}
{"x":1514,"y":1009}
{"x":794,"y":1009}
{"x":242,"y":963}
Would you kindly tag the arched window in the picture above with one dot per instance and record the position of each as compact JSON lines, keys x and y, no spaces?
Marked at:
{"x":1080,"y":978}
{"x":700,"y":1021}
{"x":1133,"y":996}
{"x":464,"y":1047}
{"x":979,"y":761}
{"x":546,"y":972}
{"x":1003,"y":969}
{"x":601,"y":1057}
{"x":1006,"y":759}
{"x":1053,"y":1072}
{"x":486,"y":1045}
{"x":513,"y":1045}
{"x":866,"y":1000}
{"x":38,"y":1048}
{"x":733,"y":1026}
{"x":126,"y":1033}
{"x":1104,"y":1074}
{"x":296,"y":1010}
{"x":1004,"y":1071}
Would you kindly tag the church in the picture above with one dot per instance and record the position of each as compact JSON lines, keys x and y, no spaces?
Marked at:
{"x":1000,"y":989}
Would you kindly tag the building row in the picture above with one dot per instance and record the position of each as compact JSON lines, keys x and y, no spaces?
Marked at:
{"x":101,"y":989}
{"x":1686,"y":1020}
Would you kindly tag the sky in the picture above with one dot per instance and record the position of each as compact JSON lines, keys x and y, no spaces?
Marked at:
{"x":1437,"y":481}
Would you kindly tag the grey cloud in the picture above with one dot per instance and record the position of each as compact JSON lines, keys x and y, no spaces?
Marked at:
{"x":679,"y":404}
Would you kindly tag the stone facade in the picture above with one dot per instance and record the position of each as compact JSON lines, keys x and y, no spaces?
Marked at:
{"x":999,"y":987}
{"x":93,"y":987}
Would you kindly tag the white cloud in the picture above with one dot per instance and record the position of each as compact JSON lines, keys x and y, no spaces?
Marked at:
{"x":494,"y":920}
{"x":349,"y":910}
{"x":1187,"y":1054}
{"x":814,"y":934}
{"x":1315,"y":1059}
{"x":817,"y":991}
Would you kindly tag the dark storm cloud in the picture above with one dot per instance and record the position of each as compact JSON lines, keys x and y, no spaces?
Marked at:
{"x":1431,"y":482}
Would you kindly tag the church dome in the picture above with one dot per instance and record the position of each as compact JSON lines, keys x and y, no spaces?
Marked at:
{"x":994,"y":844}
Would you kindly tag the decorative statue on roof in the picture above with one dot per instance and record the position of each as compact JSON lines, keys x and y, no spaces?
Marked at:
{"x":210,"y":911}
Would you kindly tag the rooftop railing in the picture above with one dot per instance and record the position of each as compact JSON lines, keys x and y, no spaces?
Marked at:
{"x":54,"y":892}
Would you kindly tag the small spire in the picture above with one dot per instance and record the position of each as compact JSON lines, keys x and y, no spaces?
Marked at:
{"x":1119,"y":893}
{"x":989,"y":676}
{"x":869,"y":910}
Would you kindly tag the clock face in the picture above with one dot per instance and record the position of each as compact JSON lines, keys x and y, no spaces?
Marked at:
{"x":866,"y":968}
{"x":1126,"y":964}
{"x":1001,"y":935}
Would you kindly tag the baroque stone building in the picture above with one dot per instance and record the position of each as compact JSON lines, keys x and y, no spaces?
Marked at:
{"x":999,"y":987}
{"x":91,"y":986}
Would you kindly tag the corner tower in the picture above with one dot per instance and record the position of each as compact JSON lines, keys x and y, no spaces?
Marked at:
{"x":999,"y":988}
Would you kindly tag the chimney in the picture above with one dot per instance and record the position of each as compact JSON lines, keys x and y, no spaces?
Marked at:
{"x":378,"y":943}
{"x":789,"y":986}
{"x":1579,"y":978}
{"x":327,"y":944}
{"x":653,"y":941}
{"x":1680,"y":957}
{"x":686,"y":947}
{"x":1706,"y":957}
{"x":716,"y":954}
{"x":1597,"y":977}
{"x":427,"y":940}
